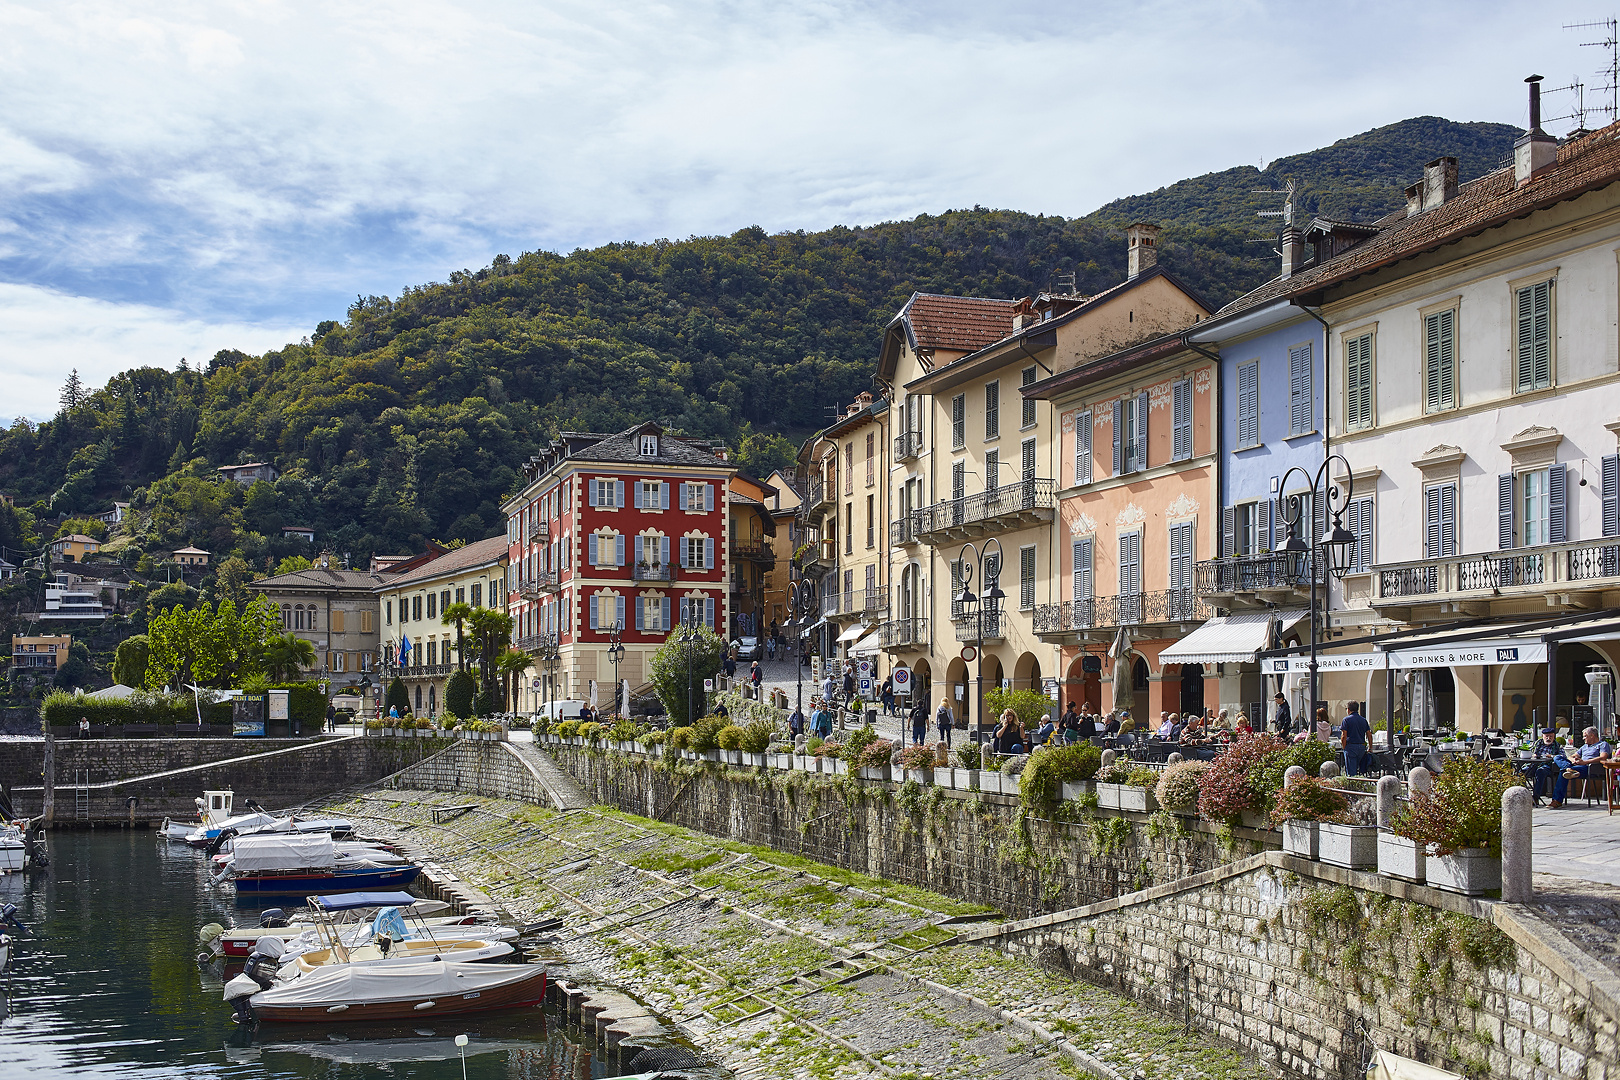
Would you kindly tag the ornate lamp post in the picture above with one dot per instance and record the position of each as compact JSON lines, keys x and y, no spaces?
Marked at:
{"x":1337,"y":542}
{"x":981,"y":609}
{"x":801,"y":599}
{"x":690,"y":621}
{"x":615,"y":653}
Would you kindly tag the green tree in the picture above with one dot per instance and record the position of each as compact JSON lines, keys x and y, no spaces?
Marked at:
{"x":231,"y":577}
{"x":213,"y":647}
{"x":511,"y":664}
{"x":398,"y":698}
{"x":458,"y":694}
{"x":458,"y":614}
{"x":285,"y":657}
{"x":292,"y":564}
{"x":1030,"y":705}
{"x":86,"y":526}
{"x":129,"y":661}
{"x":75,"y":670}
{"x":491,"y":631}
{"x":680,"y":666}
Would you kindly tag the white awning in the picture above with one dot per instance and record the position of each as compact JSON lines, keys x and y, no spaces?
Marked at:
{"x":1230,"y":639}
{"x":869,"y":644}
{"x":854,"y":631}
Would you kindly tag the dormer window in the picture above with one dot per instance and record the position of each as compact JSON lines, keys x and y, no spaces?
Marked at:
{"x":649,"y":446}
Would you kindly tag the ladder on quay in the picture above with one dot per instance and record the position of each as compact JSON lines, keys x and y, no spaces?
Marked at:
{"x":81,"y":794}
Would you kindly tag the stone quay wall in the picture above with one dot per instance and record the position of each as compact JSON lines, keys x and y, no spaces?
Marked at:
{"x":276,"y":776}
{"x":492,"y":769}
{"x":22,"y":761}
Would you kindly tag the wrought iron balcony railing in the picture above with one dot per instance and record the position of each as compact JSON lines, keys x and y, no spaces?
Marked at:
{"x":1576,"y":565}
{"x":967,"y":626}
{"x":654,"y":572}
{"x":1022,"y":502}
{"x":904,"y":633}
{"x":1128,"y":609}
{"x":544,"y":581}
{"x":535,"y":643}
{"x":875,"y":599}
{"x":907,"y":445}
{"x":902,"y":532}
{"x":757,"y":549}
{"x":1269,"y":571}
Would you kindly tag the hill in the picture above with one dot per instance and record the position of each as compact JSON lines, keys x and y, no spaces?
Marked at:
{"x":408,"y":418}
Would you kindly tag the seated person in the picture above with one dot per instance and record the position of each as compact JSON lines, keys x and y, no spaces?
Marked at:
{"x":1043,"y":734}
{"x":1089,"y":728}
{"x":1588,"y":754}
{"x":1167,"y":725}
{"x":1112,"y":727}
{"x":1243,"y":725}
{"x":1543,"y":763}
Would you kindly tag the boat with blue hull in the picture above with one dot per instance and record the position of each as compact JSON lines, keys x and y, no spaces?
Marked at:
{"x":306,"y":882}
{"x":298,"y":864}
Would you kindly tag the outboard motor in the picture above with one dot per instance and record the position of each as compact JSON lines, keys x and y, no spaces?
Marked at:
{"x":38,"y":857}
{"x":272,"y":918}
{"x":259,"y":973}
{"x":219,"y":841}
{"x":8,"y":915}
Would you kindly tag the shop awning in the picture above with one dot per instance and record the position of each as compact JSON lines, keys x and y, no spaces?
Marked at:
{"x":1230,"y":639}
{"x":853,"y":631}
{"x":871,"y":643}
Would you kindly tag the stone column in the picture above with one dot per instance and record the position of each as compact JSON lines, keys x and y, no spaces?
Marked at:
{"x":1418,"y":780}
{"x":1293,"y":773}
{"x":1516,"y":843}
{"x":1389,"y":790}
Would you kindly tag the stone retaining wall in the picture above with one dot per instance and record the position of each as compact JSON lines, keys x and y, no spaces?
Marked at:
{"x":22,"y":761}
{"x":492,"y":769}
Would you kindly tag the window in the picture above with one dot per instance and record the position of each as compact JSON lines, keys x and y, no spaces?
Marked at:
{"x":433,"y":652}
{"x":958,"y":490}
{"x":871,"y":584}
{"x":849,"y":528}
{"x":607,"y":492}
{"x":1440,"y":360}
{"x":695,"y":608}
{"x":1027,"y":460}
{"x":871,"y":521}
{"x":958,"y":421}
{"x":697,"y":552}
{"x":1246,"y":528}
{"x":477,"y":594}
{"x":388,"y":613}
{"x":606,"y":611}
{"x":696,"y":498}
{"x":652,"y":613}
{"x":1532,"y":368}
{"x":1440,"y":521}
{"x":652,"y":549}
{"x":1539,"y":513}
{"x":849,"y":468}
{"x":1301,"y":403}
{"x":992,"y":409}
{"x":604,"y":549}
{"x":1028,"y":379}
{"x":461,"y":596}
{"x":871,"y":459}
{"x":1082,"y":448}
{"x":416,"y":609}
{"x":652,"y":495}
{"x":1130,"y":434}
{"x":1248,"y":405}
{"x":1130,"y":577}
{"x":1181,"y":558}
{"x":444,"y":602}
{"x":992,"y":469}
{"x":1026,"y":578}
{"x":432,"y":606}
{"x":649,"y":446}
{"x":1358,"y":383}
{"x":1083,"y":564}
{"x":1181,"y":399}
{"x":1534,"y":485}
{"x":1358,"y":519}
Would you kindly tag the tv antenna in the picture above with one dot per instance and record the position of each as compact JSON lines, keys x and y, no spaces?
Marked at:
{"x":1580,"y":111}
{"x":1611,"y":70}
{"x":1059,"y":280}
{"x":1287,"y":212}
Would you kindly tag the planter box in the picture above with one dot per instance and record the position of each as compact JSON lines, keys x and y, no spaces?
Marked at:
{"x":731,"y":757}
{"x":990,"y":781}
{"x":1399,"y":857}
{"x":780,"y":761}
{"x":840,"y":767}
{"x":1069,"y":790}
{"x":1108,"y":795}
{"x":879,"y":773}
{"x":804,"y":762}
{"x":921,"y":776}
{"x":711,"y":755}
{"x":1300,"y":838}
{"x":1354,"y":847}
{"x":1140,"y":799}
{"x":755,"y":761}
{"x":1010,"y":784}
{"x":1472,"y":872}
{"x":964,"y":779}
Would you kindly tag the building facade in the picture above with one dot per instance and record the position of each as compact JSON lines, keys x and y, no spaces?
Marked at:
{"x":622,"y":533}
{"x":74,"y":548}
{"x":412,"y":605}
{"x":38,"y":657}
{"x":336,"y":612}
{"x":751,"y":536}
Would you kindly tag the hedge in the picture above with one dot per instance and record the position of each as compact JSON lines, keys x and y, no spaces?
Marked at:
{"x":305,"y":703}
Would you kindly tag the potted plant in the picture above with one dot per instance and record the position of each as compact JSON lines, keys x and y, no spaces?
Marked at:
{"x":1301,"y":807}
{"x":1137,"y":791}
{"x":1351,"y":839}
{"x":874,"y":759}
{"x":1110,"y":784}
{"x":918,"y":762}
{"x":1012,"y":772}
{"x":989,"y":774}
{"x":965,"y":773}
{"x":1177,"y":790}
{"x":1459,"y":824}
{"x":1401,"y":857}
{"x":1224,"y":791}
{"x":756,"y":739}
{"x":780,"y":755}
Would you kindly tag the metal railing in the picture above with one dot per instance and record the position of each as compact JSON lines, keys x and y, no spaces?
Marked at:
{"x":535,"y":642}
{"x":832,"y":602}
{"x":426,"y":671}
{"x":901,"y":633}
{"x":1019,"y":497}
{"x":967,"y":626}
{"x":1260,"y":572}
{"x":753,"y":548}
{"x":820,"y":493}
{"x":543,"y":581}
{"x":903,"y":531}
{"x":907,"y":445}
{"x":875,"y":599}
{"x":653,"y":572}
{"x":1127,"y":609}
{"x":1514,"y":569}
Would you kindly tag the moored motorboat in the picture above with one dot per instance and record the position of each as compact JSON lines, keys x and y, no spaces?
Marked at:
{"x":294,"y":864}
{"x":237,"y":942}
{"x":350,"y":992}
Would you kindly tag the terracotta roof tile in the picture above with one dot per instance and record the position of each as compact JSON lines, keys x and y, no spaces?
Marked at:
{"x":961,"y":323}
{"x":1586,"y":164}
{"x":476,"y":553}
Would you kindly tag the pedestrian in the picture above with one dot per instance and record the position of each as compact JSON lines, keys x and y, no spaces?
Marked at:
{"x":1353,"y":731}
{"x":824,"y":721}
{"x":756,"y":675}
{"x":886,"y":694}
{"x":331,"y":717}
{"x":919,"y":724}
{"x":770,"y":648}
{"x":1282,"y":718}
{"x":84,"y":727}
{"x":849,"y":681}
{"x":1324,"y":726}
{"x":943,"y":719}
{"x":796,"y":724}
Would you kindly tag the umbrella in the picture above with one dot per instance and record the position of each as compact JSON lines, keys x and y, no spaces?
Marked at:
{"x":1124,"y":684}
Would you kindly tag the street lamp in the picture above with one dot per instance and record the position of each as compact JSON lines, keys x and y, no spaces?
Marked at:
{"x":801,"y":598}
{"x":690,"y":620}
{"x":615,"y":654}
{"x":981,"y":609}
{"x":1337,"y":542}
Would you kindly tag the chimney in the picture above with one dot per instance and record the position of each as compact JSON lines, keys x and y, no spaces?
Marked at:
{"x":1535,"y":149}
{"x":1143,"y":252}
{"x":1293,"y":250}
{"x":1414,"y":200}
{"x":1439,"y":182}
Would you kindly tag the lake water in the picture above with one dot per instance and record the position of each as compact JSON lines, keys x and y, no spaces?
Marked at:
{"x":106,"y":983}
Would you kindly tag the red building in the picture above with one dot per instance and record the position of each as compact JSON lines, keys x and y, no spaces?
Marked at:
{"x":625,"y":530}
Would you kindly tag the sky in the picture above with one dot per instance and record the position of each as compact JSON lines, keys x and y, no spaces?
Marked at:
{"x":179,"y":177}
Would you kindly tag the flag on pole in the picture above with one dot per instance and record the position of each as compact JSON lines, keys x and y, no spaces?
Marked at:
{"x":404,"y":650}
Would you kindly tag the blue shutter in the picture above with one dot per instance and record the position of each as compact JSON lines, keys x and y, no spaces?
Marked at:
{"x":591,"y":548}
{"x":1229,"y":531}
{"x":663,"y":495}
{"x":1266,"y":540}
{"x":618,"y":490}
{"x":1119,"y":437}
{"x":1611,"y":495}
{"x":592,"y":603}
{"x":590,"y":492}
{"x":708,"y":497}
{"x":641,"y":613}
{"x":663,"y":548}
{"x":1181,"y":405}
{"x":663,"y":606}
{"x":618,"y":610}
{"x":618,"y":549}
{"x":1141,"y":431}
{"x":1248,"y":432}
{"x":639,"y":499}
{"x":708,"y":612}
{"x":1557,"y":504}
{"x":686,"y":496}
{"x":708,"y":553}
{"x":1301,"y":407}
{"x":1082,"y":448}
{"x":683,"y":546}
{"x":1504,"y":511}
{"x":641,"y":550}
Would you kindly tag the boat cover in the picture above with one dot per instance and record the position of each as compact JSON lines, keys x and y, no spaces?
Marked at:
{"x":365,"y":984}
{"x":350,"y":901}
{"x":389,"y":923}
{"x":282,"y":851}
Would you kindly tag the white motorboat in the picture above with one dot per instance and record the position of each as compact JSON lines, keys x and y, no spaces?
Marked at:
{"x":386,"y":939}
{"x":213,"y":808}
{"x":237,"y":942}
{"x":13,"y":849}
{"x":350,"y":992}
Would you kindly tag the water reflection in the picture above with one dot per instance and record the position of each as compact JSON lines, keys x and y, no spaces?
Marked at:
{"x":107,"y":983}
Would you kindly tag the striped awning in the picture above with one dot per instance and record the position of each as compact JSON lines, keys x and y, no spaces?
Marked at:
{"x":1230,"y":639}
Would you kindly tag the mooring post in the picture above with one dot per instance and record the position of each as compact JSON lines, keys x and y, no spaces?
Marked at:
{"x":1389,"y":792}
{"x":47,"y":810}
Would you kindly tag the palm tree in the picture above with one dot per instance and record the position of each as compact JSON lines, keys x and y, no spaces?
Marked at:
{"x":511,"y":664}
{"x":285,"y":655}
{"x":458,"y":613}
{"x":491,"y":631}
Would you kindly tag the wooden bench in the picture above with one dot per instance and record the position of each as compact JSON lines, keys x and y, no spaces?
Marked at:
{"x":444,"y":813}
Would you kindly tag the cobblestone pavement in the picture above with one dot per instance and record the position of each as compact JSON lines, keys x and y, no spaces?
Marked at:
{"x":1588,"y":913}
{"x":1578,"y":841}
{"x":780,"y":967}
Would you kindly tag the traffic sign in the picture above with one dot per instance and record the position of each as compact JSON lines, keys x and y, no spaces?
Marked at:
{"x":902,"y":680}
{"x":969,"y":653}
{"x":708,"y":686}
{"x":866,"y":687}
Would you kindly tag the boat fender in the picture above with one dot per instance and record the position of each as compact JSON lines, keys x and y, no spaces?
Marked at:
{"x":272,"y":918}
{"x":338,"y":1009}
{"x":425,"y":1005}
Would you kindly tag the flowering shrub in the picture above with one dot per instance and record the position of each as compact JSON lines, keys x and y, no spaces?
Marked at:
{"x":1463,"y":810}
{"x":857,"y":741}
{"x":1178,"y":785}
{"x":1223,"y":791}
{"x":1117,"y":773}
{"x":1142,"y":778}
{"x":830,"y":749}
{"x":917,"y":757}
{"x":1266,"y":775}
{"x":680,"y":738}
{"x":875,"y":754}
{"x":1310,"y":798}
{"x":1051,"y":766}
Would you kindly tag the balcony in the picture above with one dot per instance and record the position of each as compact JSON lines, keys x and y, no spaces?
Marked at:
{"x":907,"y":445}
{"x":967,"y":626}
{"x":821,"y":493}
{"x":818,"y":558}
{"x":904,"y":634}
{"x":660,"y":572}
{"x":1546,"y":580}
{"x":535,"y":643}
{"x":1254,"y":581}
{"x":1011,"y":506}
{"x":903,"y":532}
{"x":874,"y":601}
{"x":543,"y":582}
{"x":1102,"y":615}
{"x":426,"y":671}
{"x":754,"y":549}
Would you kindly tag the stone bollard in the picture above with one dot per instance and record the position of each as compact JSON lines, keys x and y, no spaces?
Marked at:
{"x":1174,"y":759}
{"x":1516,"y":815}
{"x":1107,"y":758}
{"x":1389,"y":790}
{"x":1329,"y":770}
{"x":798,"y":743}
{"x":942,"y":756}
{"x":1293,"y":773}
{"x":1418,"y":780}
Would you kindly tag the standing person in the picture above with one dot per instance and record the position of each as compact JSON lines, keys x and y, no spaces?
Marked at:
{"x":1282,"y":717}
{"x":756,"y":674}
{"x":919,"y":724}
{"x":1087,"y":729}
{"x":886,"y":695}
{"x":944,"y":721}
{"x":331,"y":717}
{"x":1353,"y":731}
{"x":796,"y":724}
{"x":849,"y":681}
{"x":1070,"y":724}
{"x":1324,"y":726}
